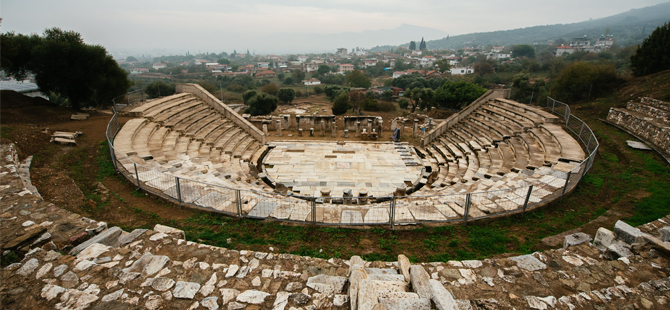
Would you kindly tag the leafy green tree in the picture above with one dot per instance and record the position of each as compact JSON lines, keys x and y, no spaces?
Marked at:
{"x":281,"y":76}
{"x":333,"y":91}
{"x":297,"y":75}
{"x":524,"y":91}
{"x":455,"y":95}
{"x":582,"y":80}
{"x":261,"y":104}
{"x":248,"y":94}
{"x":443,"y":65}
{"x":159,"y":89}
{"x":286,"y":95}
{"x":523,"y":50}
{"x":412,"y":45}
{"x":323,"y":69}
{"x":483,"y":68}
{"x":130,"y":59}
{"x":271,"y":89}
{"x":288,"y":80}
{"x":341,"y":104}
{"x":400,"y":65}
{"x":403,"y":103}
{"x":358,"y":79}
{"x":422,"y":45}
{"x":234,"y":68}
{"x":387,"y":95}
{"x":409,"y":81}
{"x":426,"y":99}
{"x":318,"y":90}
{"x":653,"y":55}
{"x":65,"y":65}
{"x":223,"y":61}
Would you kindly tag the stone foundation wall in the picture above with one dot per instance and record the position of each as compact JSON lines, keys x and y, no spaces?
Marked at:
{"x":643,"y":128}
{"x":656,"y":103}
{"x":350,"y":122}
{"x":648,"y":110}
{"x":314,"y":121}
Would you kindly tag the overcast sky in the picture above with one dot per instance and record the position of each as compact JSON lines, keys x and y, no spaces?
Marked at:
{"x":216,"y":26}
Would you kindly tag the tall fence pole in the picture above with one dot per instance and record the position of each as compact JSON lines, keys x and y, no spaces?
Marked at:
{"x":567,"y":179}
{"x":112,"y":155}
{"x":392,"y":213}
{"x":525,"y":203}
{"x":313,"y":211}
{"x":238,"y":198}
{"x":466,"y":212}
{"x":137,"y":177}
{"x":178,"y":191}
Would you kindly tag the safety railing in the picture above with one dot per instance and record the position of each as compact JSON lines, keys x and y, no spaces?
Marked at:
{"x":391,"y":211}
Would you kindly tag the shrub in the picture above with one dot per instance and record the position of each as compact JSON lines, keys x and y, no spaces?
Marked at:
{"x":286,"y":95}
{"x":318,"y":90}
{"x":159,"y":89}
{"x":387,"y":95}
{"x":261,"y":104}
{"x":288,"y":81}
{"x":270,"y":88}
{"x":403,"y":103}
{"x":341,"y":104}
{"x":581,"y":80}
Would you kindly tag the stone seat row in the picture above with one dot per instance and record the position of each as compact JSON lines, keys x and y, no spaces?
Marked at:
{"x":648,"y":120}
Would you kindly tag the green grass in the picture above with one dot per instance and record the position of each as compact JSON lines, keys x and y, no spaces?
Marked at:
{"x":104,"y":161}
{"x":5,"y":132}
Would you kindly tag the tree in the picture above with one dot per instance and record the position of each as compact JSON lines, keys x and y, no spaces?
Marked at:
{"x":483,"y":68}
{"x":223,"y":61}
{"x":403,"y":103}
{"x":358,"y":79}
{"x":422,"y":45}
{"x":208,"y":87}
{"x":318,"y":90}
{"x":234,"y":68}
{"x":523,"y":50}
{"x":443,"y":65}
{"x":261,"y":104}
{"x":159,"y":89}
{"x":286,"y":95}
{"x":652,"y":55}
{"x":455,"y":95}
{"x":298,"y":75}
{"x":426,"y":97}
{"x":323,"y":69}
{"x":356,"y":98}
{"x":65,"y":65}
{"x":409,"y":81}
{"x":288,"y":81}
{"x":281,"y":76}
{"x":270,"y":88}
{"x":412,"y":45}
{"x":131,"y":59}
{"x":247,"y":95}
{"x":582,"y":80}
{"x":387,"y":95}
{"x":341,"y":104}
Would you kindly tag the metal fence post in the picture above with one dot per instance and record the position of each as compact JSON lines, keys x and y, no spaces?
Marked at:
{"x":137,"y":177}
{"x":567,"y":179}
{"x":238,"y":198}
{"x":313,"y":211}
{"x":525,"y":203}
{"x":580,"y":132}
{"x":553,"y":105}
{"x":111,"y":154}
{"x":467,"y":209}
{"x":392,"y":215}
{"x":178,"y":191}
{"x":567,"y":117}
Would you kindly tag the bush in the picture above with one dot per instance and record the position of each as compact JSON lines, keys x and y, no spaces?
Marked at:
{"x":403,"y":103}
{"x":370,"y":105}
{"x":261,"y":104}
{"x":581,"y":80}
{"x":286,"y":95}
{"x":236,"y":88}
{"x":299,"y":94}
{"x":318,"y":90}
{"x":270,"y":88}
{"x":341,"y":104}
{"x":159,"y":89}
{"x":387,"y":95}
{"x":288,"y":81}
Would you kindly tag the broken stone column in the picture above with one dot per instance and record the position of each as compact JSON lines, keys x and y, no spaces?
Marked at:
{"x":346,"y":133}
{"x":358,"y":129}
{"x":323,"y":128}
{"x":363,"y":196}
{"x":297,"y":122}
{"x":414,"y":129}
{"x":346,"y":194}
{"x":369,"y":126}
{"x":332,"y":129}
{"x":381,"y":126}
{"x":402,"y":128}
{"x":265,"y":129}
{"x":279,"y":128}
{"x":299,"y":132}
{"x":325,"y":194}
{"x":311,"y":132}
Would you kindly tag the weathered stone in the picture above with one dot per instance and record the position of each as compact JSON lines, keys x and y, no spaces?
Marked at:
{"x":162,"y":284}
{"x":154,"y":302}
{"x":20,"y":240}
{"x":77,"y":300}
{"x":293,"y":286}
{"x":93,"y":251}
{"x":107,"y":237}
{"x":83,"y":265}
{"x":367,"y":295}
{"x":50,"y":291}
{"x":355,"y":260}
{"x":529,"y":262}
{"x":170,"y":231}
{"x":665,"y":233}
{"x":252,"y":297}
{"x":236,"y":306}
{"x":536,"y":303}
{"x":69,"y":280}
{"x":58,"y":271}
{"x":44,"y":270}
{"x":451,"y":274}
{"x":228,"y":294}
{"x":300,"y":298}
{"x":625,"y":232}
{"x":403,"y":266}
{"x":232,"y":270}
{"x":355,"y":278}
{"x":406,"y":303}
{"x":28,"y":267}
{"x":185,"y":290}
{"x":340,"y":299}
{"x":575,"y":239}
{"x":419,"y":280}
{"x":123,"y":240}
{"x":604,"y":238}
{"x":112,"y":296}
{"x":615,"y":251}
{"x":328,"y":285}
{"x":442,"y":297}
{"x":155,"y":265}
{"x":281,"y":301}
{"x":210,"y":303}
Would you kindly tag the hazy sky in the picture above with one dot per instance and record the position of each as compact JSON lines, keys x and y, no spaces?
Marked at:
{"x":215,"y":26}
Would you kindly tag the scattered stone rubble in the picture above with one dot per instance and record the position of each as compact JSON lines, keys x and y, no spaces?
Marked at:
{"x":72,"y":262}
{"x":65,"y":138}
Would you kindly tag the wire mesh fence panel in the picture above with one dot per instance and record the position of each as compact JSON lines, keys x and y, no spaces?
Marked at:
{"x":259,"y":204}
{"x":420,"y":209}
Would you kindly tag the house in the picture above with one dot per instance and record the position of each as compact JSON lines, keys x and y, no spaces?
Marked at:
{"x":302,"y":58}
{"x":200,"y":61}
{"x":361,"y":53}
{"x":249,"y":67}
{"x":310,"y":68}
{"x":427,"y":60}
{"x":263,"y":65}
{"x":433,"y":74}
{"x":564,"y":49}
{"x":159,"y":65}
{"x":453,"y":60}
{"x":311,"y":81}
{"x":419,"y":72}
{"x":342,"y":52}
{"x":417,"y":52}
{"x":346,"y":68}
{"x":138,"y":70}
{"x":462,"y":71}
{"x":605,"y":42}
{"x":370,"y":63}
{"x":497,"y":49}
{"x":273,"y":57}
{"x":211,"y":65}
{"x":398,"y":74}
{"x":266,"y":74}
{"x":497,"y":56}
{"x":580,"y":43}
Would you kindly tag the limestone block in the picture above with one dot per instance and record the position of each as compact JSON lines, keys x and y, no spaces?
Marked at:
{"x":252,"y":297}
{"x":108,"y":237}
{"x":604,"y":238}
{"x":614,"y":251}
{"x":356,"y":275}
{"x":405,"y":303}
{"x":328,"y":285}
{"x":665,"y":233}
{"x":575,"y":239}
{"x":123,"y":240}
{"x":442,"y":297}
{"x":419,"y":280}
{"x":185,"y":290}
{"x":625,"y":232}
{"x":528,"y":262}
{"x":170,"y":231}
{"x":367,"y":295}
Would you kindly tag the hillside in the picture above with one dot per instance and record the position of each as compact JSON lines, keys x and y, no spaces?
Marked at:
{"x":628,"y":28}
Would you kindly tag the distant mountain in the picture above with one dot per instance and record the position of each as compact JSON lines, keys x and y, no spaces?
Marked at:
{"x":628,"y":28}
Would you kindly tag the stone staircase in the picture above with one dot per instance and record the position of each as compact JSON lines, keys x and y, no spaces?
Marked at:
{"x":648,"y":120}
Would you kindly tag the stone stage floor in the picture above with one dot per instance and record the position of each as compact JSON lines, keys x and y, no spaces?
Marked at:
{"x":310,"y":166}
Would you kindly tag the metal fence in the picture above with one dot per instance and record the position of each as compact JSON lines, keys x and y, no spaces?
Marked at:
{"x":391,"y":211}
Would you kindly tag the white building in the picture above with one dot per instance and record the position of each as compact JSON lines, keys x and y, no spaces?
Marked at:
{"x":398,"y":74}
{"x":311,"y":82}
{"x":159,"y":65}
{"x":461,"y":71}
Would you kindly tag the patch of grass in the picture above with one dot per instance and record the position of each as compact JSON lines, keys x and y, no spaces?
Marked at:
{"x":5,"y":131}
{"x":9,"y":259}
{"x":137,"y":193}
{"x":611,"y":157}
{"x":104,"y":161}
{"x":651,"y":208}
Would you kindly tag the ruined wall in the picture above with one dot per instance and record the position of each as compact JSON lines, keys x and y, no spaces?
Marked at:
{"x":314,"y":121}
{"x":350,"y":122}
{"x":643,"y":127}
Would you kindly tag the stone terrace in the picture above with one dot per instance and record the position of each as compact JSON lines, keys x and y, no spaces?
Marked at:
{"x":72,"y":262}
{"x":648,"y":120}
